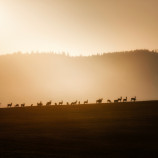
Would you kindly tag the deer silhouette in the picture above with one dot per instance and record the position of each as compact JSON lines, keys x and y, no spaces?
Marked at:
{"x":125,"y":99}
{"x":17,"y":105}
{"x":86,"y":102}
{"x":74,"y":103}
{"x":49,"y":103}
{"x":22,"y":105}
{"x":133,"y":99}
{"x":116,"y":101}
{"x":67,"y":103}
{"x":40,"y":104}
{"x":120,"y":99}
{"x":99,"y":100}
{"x":108,"y":101}
{"x":56,"y":104}
{"x":9,"y":105}
{"x":61,"y":103}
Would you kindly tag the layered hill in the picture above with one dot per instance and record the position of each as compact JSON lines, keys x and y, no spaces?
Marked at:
{"x":37,"y":77}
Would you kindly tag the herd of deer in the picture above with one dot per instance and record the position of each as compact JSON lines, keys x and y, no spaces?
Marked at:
{"x":98,"y":101}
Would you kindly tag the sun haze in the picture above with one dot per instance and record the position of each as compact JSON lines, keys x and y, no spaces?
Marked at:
{"x":78,"y":26}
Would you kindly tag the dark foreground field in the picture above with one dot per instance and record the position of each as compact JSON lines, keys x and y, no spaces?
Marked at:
{"x":104,"y":130}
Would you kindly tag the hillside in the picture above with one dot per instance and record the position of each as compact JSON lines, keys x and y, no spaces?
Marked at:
{"x":42,"y":77}
{"x":124,"y":130}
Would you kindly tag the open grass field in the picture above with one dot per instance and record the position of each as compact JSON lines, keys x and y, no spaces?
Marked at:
{"x":80,"y":131}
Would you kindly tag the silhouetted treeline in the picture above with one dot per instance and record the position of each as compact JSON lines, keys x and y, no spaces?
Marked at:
{"x":48,"y":76}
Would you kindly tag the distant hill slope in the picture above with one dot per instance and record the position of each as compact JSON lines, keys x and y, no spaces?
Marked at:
{"x":31,"y":78}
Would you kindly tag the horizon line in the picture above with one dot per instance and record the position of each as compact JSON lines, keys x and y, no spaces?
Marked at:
{"x":80,"y":55}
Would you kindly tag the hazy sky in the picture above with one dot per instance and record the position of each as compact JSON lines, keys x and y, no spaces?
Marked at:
{"x":78,"y":26}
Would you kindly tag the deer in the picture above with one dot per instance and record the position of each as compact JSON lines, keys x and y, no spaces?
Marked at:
{"x":40,"y":104}
{"x":120,"y":99}
{"x":49,"y":103}
{"x":125,"y":99}
{"x":61,"y":103}
{"x":86,"y":102}
{"x":17,"y":105}
{"x":116,"y":101}
{"x":133,"y":99}
{"x":22,"y":105}
{"x":108,"y":101}
{"x":9,"y":105}
{"x":74,"y":103}
{"x":99,"y":100}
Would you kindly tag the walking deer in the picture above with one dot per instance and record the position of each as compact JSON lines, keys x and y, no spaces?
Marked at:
{"x":99,"y":100}
{"x":49,"y":103}
{"x":125,"y":99}
{"x":61,"y":103}
{"x":74,"y":103}
{"x":133,"y":99}
{"x":86,"y":102}
{"x":40,"y":104}
{"x":120,"y":99}
{"x":9,"y":105}
{"x":22,"y":105}
{"x":17,"y":105}
{"x":116,"y":101}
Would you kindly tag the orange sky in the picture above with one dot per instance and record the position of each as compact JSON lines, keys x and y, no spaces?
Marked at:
{"x":78,"y":26}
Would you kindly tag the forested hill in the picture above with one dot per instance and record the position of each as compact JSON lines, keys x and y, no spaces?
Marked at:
{"x":46,"y":76}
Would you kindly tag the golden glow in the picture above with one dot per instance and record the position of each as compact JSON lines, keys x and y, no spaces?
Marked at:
{"x":43,"y":77}
{"x":2,"y":16}
{"x":78,"y":26}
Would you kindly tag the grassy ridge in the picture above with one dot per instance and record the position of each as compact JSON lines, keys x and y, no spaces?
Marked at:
{"x":94,"y":130}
